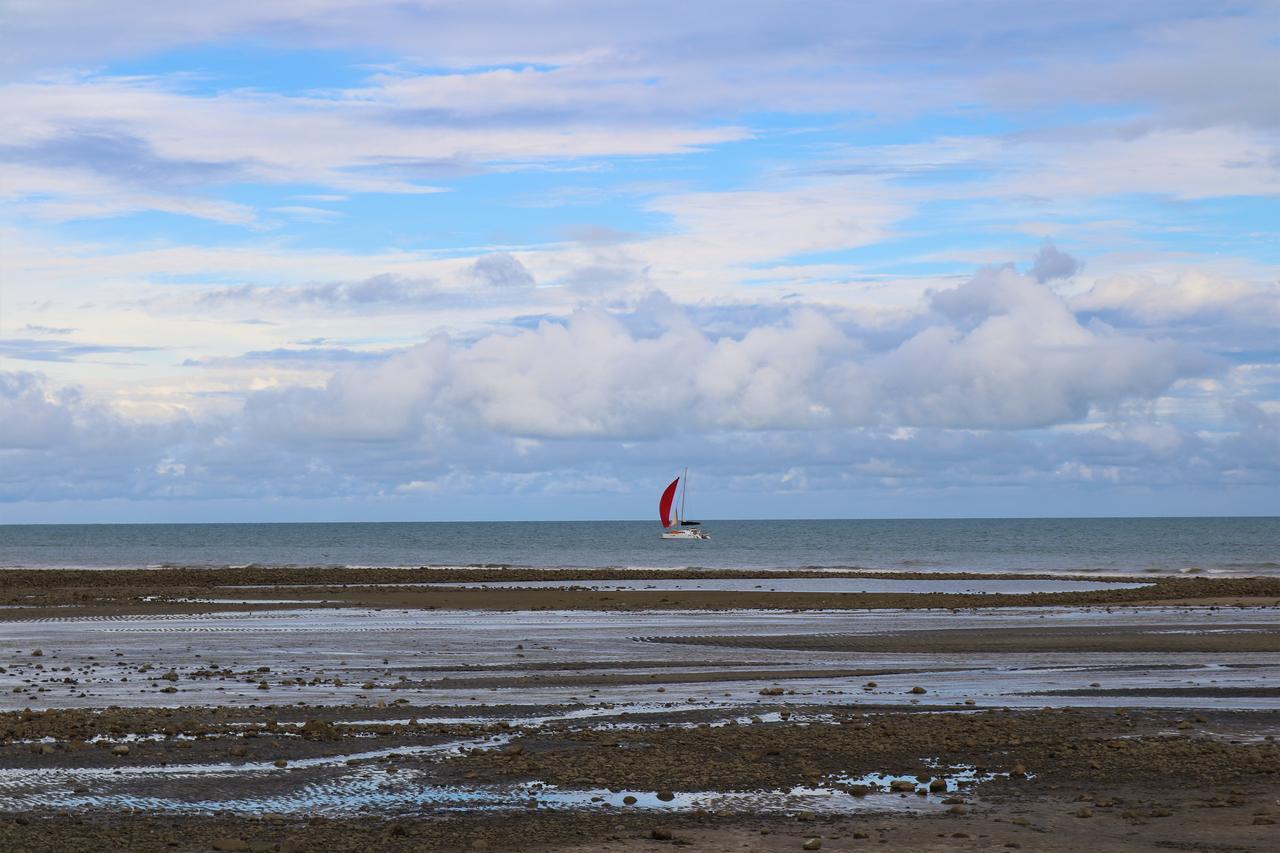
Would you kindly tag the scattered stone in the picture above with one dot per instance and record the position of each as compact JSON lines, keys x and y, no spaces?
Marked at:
{"x":958,"y":809}
{"x":37,"y":653}
{"x":661,"y":833}
{"x":666,"y":796}
{"x":771,"y":691}
{"x":512,"y":749}
{"x":937,"y":786}
{"x":1018,"y":770}
{"x":1084,"y":813}
{"x":903,"y":785}
{"x":280,"y":762}
{"x":917,"y":690}
{"x":1263,"y":821}
{"x":120,"y":749}
{"x":629,"y":800}
{"x":238,"y":751}
{"x":812,"y":844}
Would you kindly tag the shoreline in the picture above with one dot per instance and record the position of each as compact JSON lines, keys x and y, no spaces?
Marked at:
{"x":319,"y":708}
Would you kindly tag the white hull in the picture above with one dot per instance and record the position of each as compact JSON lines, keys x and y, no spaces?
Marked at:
{"x":685,"y":533}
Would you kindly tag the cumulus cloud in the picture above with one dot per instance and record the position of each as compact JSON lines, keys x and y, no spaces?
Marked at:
{"x":1051,"y":262}
{"x":1001,"y":351}
{"x":501,"y":270}
{"x":1189,"y":297}
{"x":57,"y":444}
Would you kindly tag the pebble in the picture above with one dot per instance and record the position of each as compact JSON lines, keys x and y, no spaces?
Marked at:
{"x":666,"y":796}
{"x":917,"y":690}
{"x":628,"y":800}
{"x":812,"y":844}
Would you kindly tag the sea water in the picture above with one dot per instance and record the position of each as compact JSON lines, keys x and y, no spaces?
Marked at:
{"x":1213,"y":546}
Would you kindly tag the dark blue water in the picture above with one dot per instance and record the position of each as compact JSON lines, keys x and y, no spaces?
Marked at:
{"x":1211,"y":545}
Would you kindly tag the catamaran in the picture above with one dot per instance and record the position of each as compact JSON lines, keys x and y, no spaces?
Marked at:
{"x":674,"y":524}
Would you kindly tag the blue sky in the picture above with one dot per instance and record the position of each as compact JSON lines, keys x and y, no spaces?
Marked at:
{"x":325,"y":260}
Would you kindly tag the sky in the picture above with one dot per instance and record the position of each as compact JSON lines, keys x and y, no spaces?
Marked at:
{"x":337,"y":260}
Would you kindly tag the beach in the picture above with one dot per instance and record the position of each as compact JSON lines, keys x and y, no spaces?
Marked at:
{"x":497,"y":708}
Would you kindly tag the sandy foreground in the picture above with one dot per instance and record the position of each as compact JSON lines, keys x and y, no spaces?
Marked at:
{"x":334,"y":709}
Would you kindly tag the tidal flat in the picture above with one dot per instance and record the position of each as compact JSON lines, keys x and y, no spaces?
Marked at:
{"x":409,"y":709}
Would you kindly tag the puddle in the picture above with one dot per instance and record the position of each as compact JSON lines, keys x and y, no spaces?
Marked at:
{"x":335,"y":786}
{"x":1005,"y":586}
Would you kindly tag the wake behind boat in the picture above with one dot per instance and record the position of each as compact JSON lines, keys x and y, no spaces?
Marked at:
{"x":674,"y":524}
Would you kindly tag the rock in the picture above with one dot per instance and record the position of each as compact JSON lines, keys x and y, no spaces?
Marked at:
{"x":479,"y":844}
{"x":870,"y":685}
{"x":628,"y":800}
{"x":661,"y":833}
{"x":229,"y":844}
{"x":666,"y":796}
{"x":903,"y":785}
{"x":970,"y":702}
{"x":917,"y":690}
{"x":1018,"y":770}
{"x":937,"y":786}
{"x":368,"y":685}
{"x":812,"y":844}
{"x":238,"y":751}
{"x":1263,"y":821}
{"x":37,"y":653}
{"x":171,"y":675}
{"x":320,"y":730}
{"x":806,"y":816}
{"x":280,"y":762}
{"x":120,"y":749}
{"x":262,"y":685}
{"x":1084,"y":813}
{"x":771,"y":691}
{"x":512,"y":749}
{"x":958,"y":809}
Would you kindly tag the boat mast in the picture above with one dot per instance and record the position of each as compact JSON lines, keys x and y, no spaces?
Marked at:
{"x":684,"y":492}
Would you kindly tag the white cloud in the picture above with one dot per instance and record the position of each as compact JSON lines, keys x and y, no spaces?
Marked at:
{"x":1001,"y":351}
{"x":1191,"y":296}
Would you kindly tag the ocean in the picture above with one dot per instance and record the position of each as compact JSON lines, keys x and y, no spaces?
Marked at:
{"x":1213,"y":546}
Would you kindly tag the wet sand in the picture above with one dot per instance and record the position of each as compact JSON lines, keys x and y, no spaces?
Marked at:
{"x":273,"y":709}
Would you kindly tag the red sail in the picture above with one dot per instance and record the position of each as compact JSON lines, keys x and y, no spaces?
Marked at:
{"x":664,"y":505}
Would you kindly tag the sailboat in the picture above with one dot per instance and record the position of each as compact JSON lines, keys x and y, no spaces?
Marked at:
{"x":674,"y":524}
